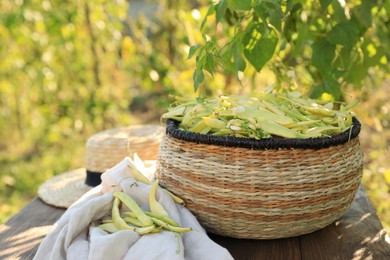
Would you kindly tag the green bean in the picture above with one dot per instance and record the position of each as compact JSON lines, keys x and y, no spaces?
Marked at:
{"x":108,"y":227}
{"x":174,"y":197}
{"x":133,"y":221}
{"x":118,"y":221}
{"x":279,"y":130}
{"x":240,"y":116}
{"x":133,"y":206}
{"x":166,"y":219}
{"x":147,"y":230}
{"x":139,"y":176}
{"x":154,"y":205}
{"x":273,"y":108}
{"x":167,"y":226}
{"x":214,"y":123}
{"x":198,"y":127}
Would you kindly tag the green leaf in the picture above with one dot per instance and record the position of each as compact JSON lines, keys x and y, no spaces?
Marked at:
{"x":329,"y":86}
{"x":290,"y":25}
{"x":258,"y":48}
{"x":323,"y":54}
{"x":304,"y":35}
{"x":293,"y":6}
{"x":198,"y":78}
{"x":239,"y":62}
{"x":356,"y":74}
{"x":239,"y":5}
{"x":275,"y":18}
{"x":344,"y":33}
{"x":338,"y":12}
{"x":270,"y":9}
{"x":209,"y":64}
{"x":193,"y":50}
{"x":220,"y":8}
{"x":386,"y":6}
{"x":325,"y":4}
{"x":210,"y":11}
{"x":261,"y":11}
{"x":363,"y":14}
{"x":226,"y":59}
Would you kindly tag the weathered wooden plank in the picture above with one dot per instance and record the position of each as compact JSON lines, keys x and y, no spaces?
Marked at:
{"x":358,"y":234}
{"x":248,"y":249}
{"x":21,"y":235}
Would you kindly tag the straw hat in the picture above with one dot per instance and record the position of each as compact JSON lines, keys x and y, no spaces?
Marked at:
{"x":103,"y":151}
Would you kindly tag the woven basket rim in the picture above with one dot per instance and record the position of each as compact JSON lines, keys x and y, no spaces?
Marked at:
{"x":265,"y":143}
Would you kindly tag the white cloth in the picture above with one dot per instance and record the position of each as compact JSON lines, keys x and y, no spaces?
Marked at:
{"x":74,"y":237}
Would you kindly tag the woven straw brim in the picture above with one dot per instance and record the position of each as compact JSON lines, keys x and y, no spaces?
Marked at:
{"x":261,"y":192}
{"x":107,"y":148}
{"x":103,"y":151}
{"x":64,"y":189}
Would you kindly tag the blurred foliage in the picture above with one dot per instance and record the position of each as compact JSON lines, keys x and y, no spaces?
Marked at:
{"x":73,"y":68}
{"x":321,"y":46}
{"x":60,"y":82}
{"x":374,"y":112}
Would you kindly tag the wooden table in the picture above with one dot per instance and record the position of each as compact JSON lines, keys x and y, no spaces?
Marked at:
{"x":357,"y":235}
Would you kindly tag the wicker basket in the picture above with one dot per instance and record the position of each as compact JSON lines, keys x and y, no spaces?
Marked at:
{"x":262,"y":189}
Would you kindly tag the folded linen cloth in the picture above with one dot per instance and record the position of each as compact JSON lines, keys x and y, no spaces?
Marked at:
{"x":76,"y":237}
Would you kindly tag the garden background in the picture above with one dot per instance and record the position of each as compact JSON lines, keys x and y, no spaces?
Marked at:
{"x":70,"y":69}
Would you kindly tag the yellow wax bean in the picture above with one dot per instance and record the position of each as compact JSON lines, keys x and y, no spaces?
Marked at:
{"x":279,"y":130}
{"x":291,"y":110}
{"x":174,"y":197}
{"x":154,"y":205}
{"x":348,"y":121}
{"x":108,"y":227}
{"x":304,"y":125}
{"x":133,"y":206}
{"x":319,"y":130}
{"x":319,"y":110}
{"x":146,"y":230}
{"x":139,"y":176}
{"x":214,"y":123}
{"x":341,"y":122}
{"x":190,"y":119}
{"x":226,"y":113}
{"x":118,"y":221}
{"x":264,"y":114}
{"x":329,"y":120}
{"x":133,"y":221}
{"x":273,"y":108}
{"x":295,"y":114}
{"x":176,"y":112}
{"x":130,"y":214}
{"x":111,"y":228}
{"x":205,"y":130}
{"x":198,"y":127}
{"x":163,"y":218}
{"x":170,"y":227}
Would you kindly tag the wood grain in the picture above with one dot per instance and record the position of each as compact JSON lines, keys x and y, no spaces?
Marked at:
{"x":21,"y":235}
{"x":248,"y":249}
{"x":356,"y":235}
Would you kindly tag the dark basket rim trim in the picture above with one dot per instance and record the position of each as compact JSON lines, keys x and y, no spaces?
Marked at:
{"x":265,"y":143}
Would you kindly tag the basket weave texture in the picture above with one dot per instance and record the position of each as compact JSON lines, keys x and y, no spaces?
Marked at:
{"x":262,"y":192}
